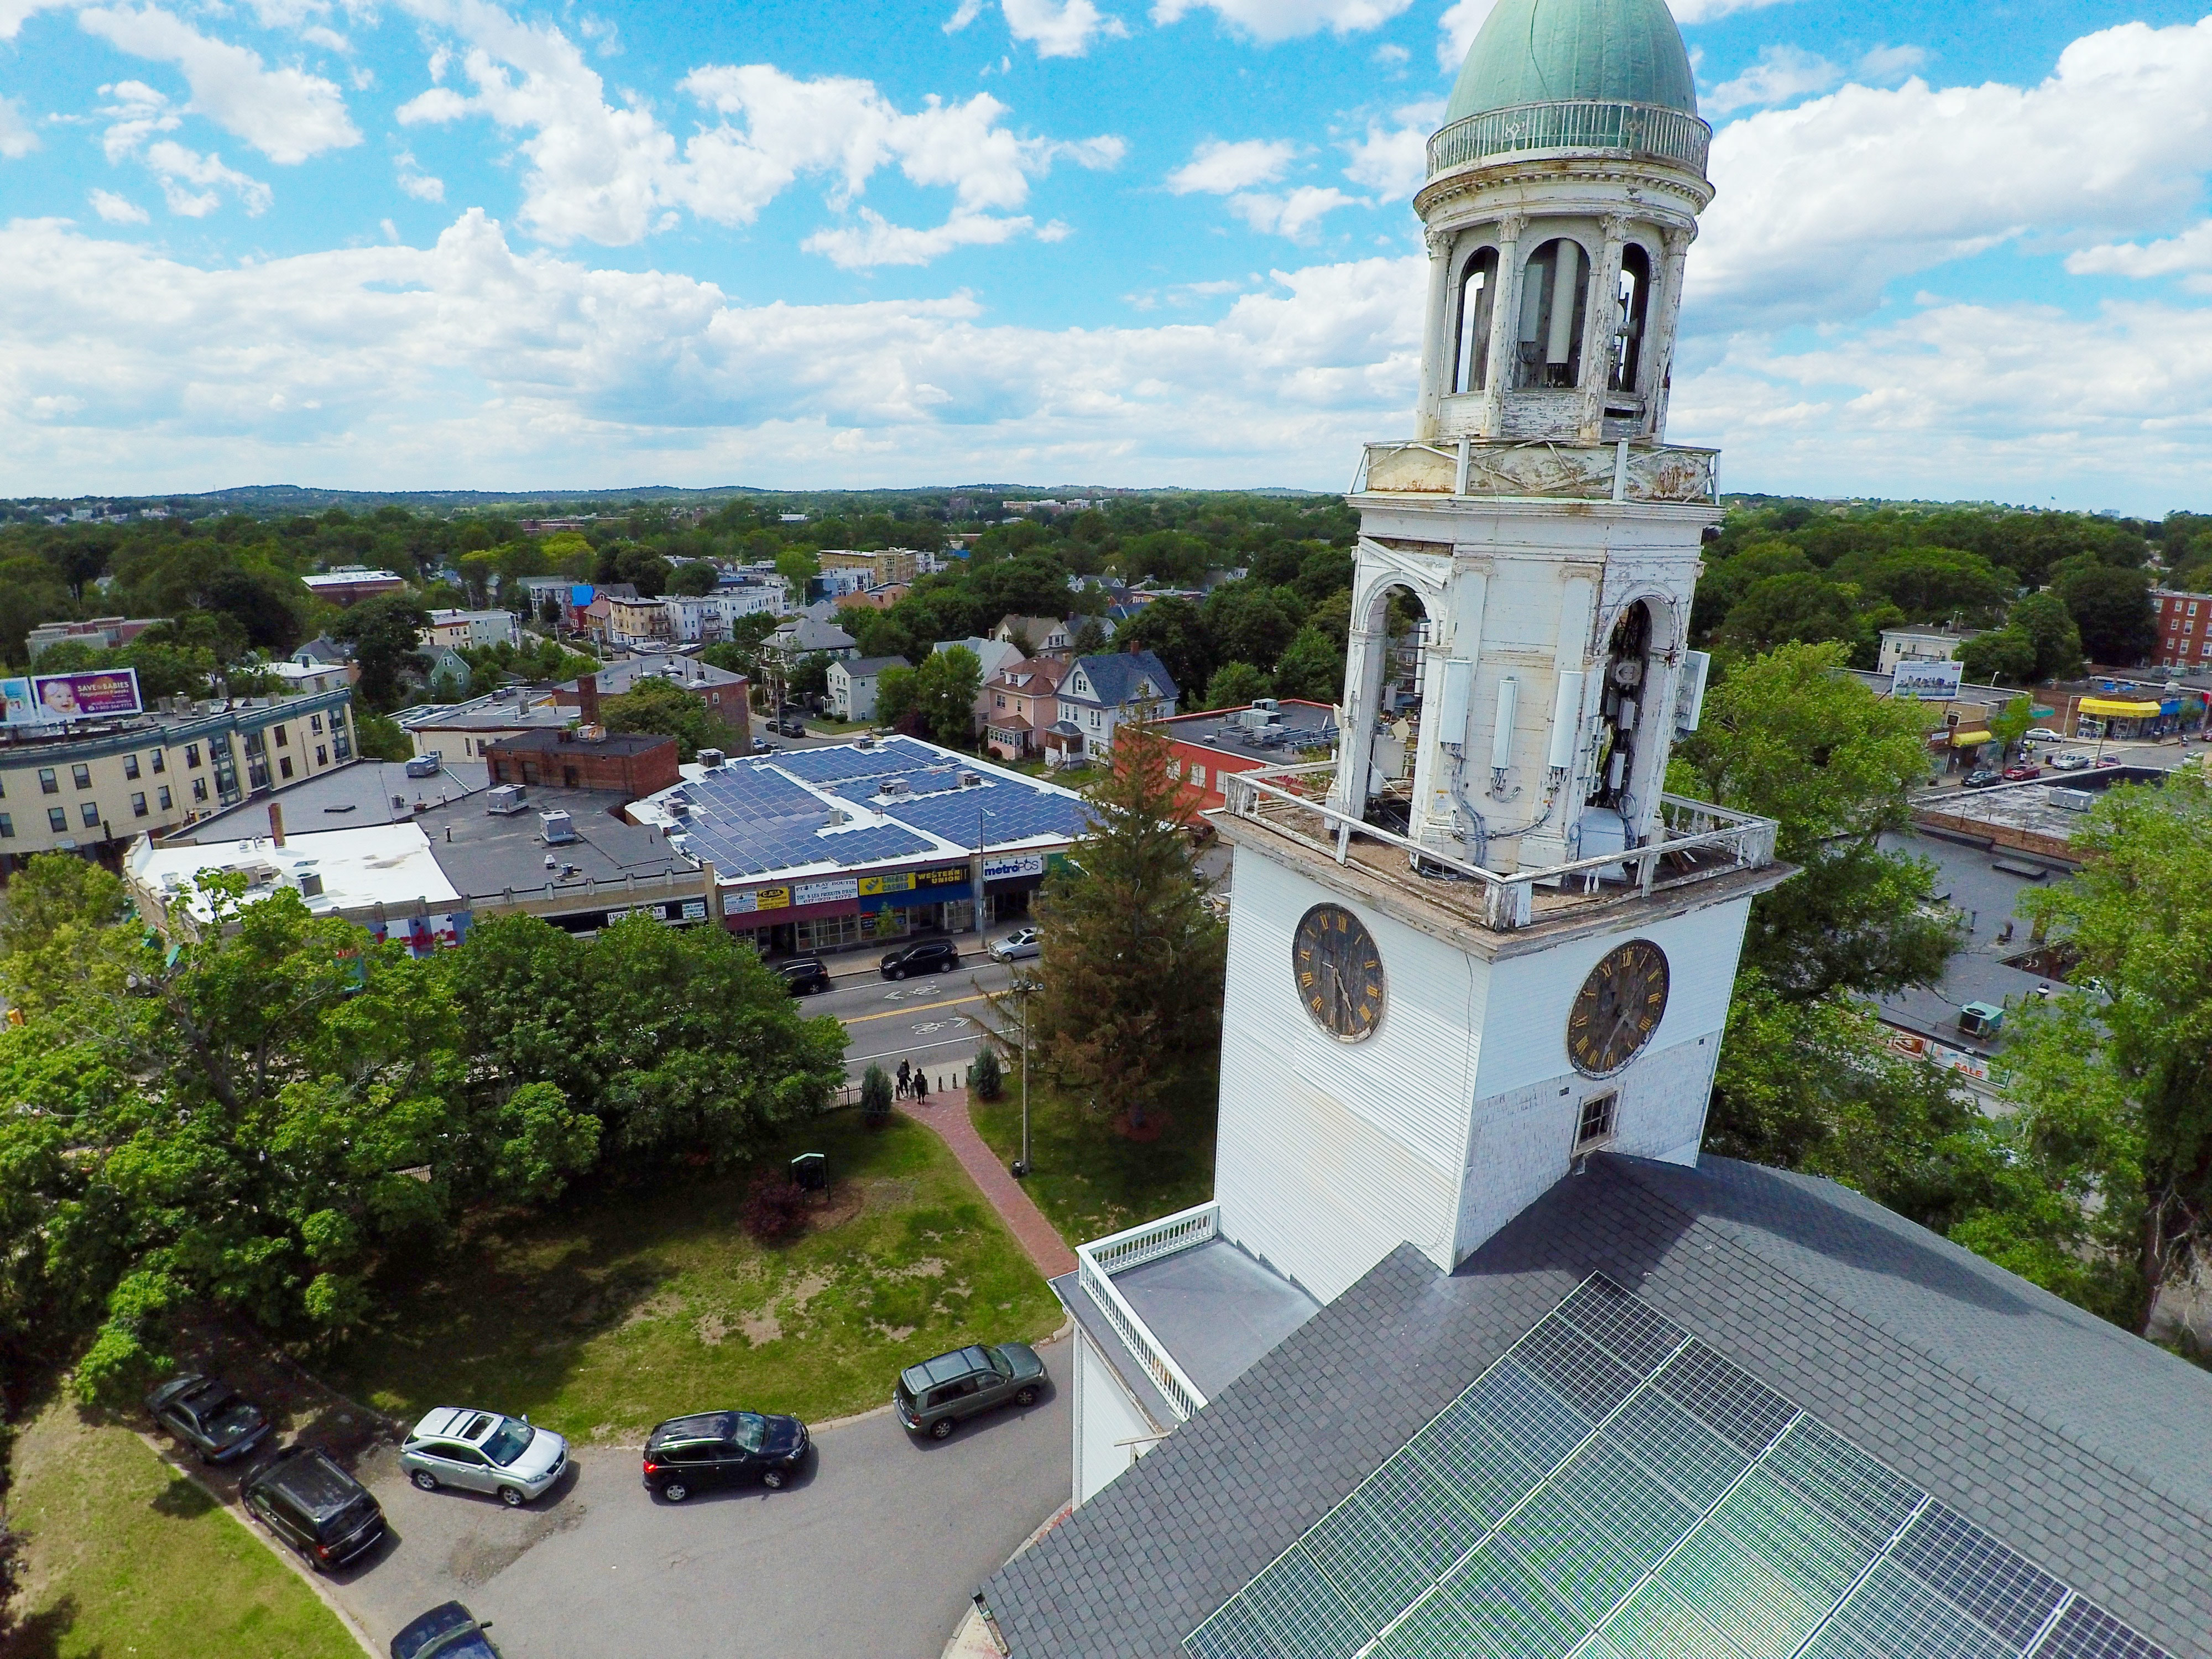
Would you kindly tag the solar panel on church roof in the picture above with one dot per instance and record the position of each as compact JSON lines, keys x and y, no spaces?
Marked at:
{"x":1612,"y":1488}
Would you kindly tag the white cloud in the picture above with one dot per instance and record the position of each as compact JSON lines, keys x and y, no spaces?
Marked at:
{"x":2189,"y":254}
{"x":1455,"y":32}
{"x":14,"y":13}
{"x":1391,"y":54}
{"x":1820,"y":207}
{"x":1058,"y":29}
{"x":329,"y":40}
{"x":1705,"y":11}
{"x":1294,"y":214}
{"x":17,"y":139}
{"x":287,"y":113}
{"x":1883,"y":65}
{"x":1285,"y":19}
{"x":136,"y":113}
{"x":416,"y":183}
{"x":1217,"y":168}
{"x":967,"y":13}
{"x":876,"y":241}
{"x":177,"y":167}
{"x":1781,"y":74}
{"x":1392,"y":161}
{"x":117,"y":209}
{"x":612,"y":175}
{"x":468,"y":362}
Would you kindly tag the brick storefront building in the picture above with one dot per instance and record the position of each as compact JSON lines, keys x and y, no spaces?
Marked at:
{"x":634,"y":764}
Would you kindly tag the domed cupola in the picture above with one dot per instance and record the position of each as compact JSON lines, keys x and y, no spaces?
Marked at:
{"x":1564,"y":189}
{"x":1559,"y":52}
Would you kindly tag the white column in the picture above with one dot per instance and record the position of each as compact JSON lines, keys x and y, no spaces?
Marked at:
{"x":1366,"y":652}
{"x":1599,"y":317}
{"x":1660,"y":317}
{"x":1437,"y":333}
{"x":1505,"y":325}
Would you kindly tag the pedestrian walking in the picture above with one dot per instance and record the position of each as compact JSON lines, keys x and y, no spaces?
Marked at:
{"x":906,"y":1079}
{"x":921,"y":1085}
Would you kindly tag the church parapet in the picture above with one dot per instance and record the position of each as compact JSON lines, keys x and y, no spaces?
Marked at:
{"x":1539,"y":470}
{"x":1695,"y":842}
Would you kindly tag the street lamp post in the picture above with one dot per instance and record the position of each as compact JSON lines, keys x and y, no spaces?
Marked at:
{"x":1022,"y":994}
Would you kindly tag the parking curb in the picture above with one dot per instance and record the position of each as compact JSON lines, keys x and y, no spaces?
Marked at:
{"x":260,"y":1535}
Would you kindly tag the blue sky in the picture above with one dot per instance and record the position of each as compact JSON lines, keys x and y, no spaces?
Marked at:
{"x":1958,"y":250}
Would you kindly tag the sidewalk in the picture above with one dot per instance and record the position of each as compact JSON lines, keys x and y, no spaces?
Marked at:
{"x":946,"y":1114}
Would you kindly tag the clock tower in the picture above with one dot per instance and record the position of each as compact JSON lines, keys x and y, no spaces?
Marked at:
{"x":1484,"y":940}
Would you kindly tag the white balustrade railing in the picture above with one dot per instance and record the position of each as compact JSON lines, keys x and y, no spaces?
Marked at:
{"x":1574,"y":123}
{"x":1687,"y":827}
{"x":1101,"y":1259}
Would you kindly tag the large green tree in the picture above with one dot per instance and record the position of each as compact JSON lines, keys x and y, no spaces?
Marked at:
{"x":944,"y":688}
{"x":386,"y":632}
{"x":662,"y":707}
{"x":1131,"y":963}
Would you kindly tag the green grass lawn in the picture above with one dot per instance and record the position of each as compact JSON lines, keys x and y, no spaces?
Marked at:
{"x":126,"y":1557}
{"x":1091,"y":1181}
{"x":602,"y":1319}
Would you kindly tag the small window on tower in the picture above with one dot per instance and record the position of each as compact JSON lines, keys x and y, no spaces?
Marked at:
{"x":1478,"y":294}
{"x":1595,"y":1128}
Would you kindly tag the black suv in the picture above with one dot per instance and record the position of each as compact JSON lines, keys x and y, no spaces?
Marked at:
{"x":448,"y":1630}
{"x":924,"y":956}
{"x":932,"y":1396}
{"x":210,"y":1416}
{"x":802,"y":975}
{"x":315,"y":1506}
{"x":687,"y":1454}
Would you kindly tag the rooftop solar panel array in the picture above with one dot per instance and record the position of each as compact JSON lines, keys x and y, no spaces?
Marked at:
{"x":750,"y":819}
{"x":1612,"y":1488}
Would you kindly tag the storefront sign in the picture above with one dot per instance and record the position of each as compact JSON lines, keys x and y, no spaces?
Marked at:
{"x":825,"y":892}
{"x":1013,"y":867}
{"x":898,"y":882}
{"x":951,"y":875}
{"x":1926,"y":680}
{"x":761,"y":898}
{"x":695,"y":910}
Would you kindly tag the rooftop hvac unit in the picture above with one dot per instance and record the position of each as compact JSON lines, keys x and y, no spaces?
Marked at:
{"x":2074,"y":800}
{"x":505,"y":801}
{"x":555,"y":828}
{"x":711,"y":758}
{"x":311,"y":885}
{"x":426,"y":764}
{"x":892,"y":786}
{"x":1980,"y":1019}
{"x":971,"y":780}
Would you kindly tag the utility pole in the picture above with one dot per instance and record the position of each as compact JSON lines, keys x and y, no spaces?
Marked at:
{"x":1022,"y":989}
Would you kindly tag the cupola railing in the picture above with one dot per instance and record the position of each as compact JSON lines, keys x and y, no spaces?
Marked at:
{"x":1652,"y":130}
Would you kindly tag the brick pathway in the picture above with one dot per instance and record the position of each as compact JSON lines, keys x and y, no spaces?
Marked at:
{"x":947,"y":1114}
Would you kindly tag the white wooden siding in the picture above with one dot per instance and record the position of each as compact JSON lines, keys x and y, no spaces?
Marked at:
{"x":1110,"y":1431}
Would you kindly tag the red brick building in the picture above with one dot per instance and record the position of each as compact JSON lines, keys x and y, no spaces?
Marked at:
{"x":633,"y":764}
{"x":2184,"y":629}
{"x":1205,"y":748}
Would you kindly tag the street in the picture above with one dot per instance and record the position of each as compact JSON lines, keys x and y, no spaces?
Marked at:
{"x":872,"y":1553}
{"x":932,"y":1019}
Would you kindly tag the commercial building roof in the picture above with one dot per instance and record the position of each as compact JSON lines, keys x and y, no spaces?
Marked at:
{"x":2054,"y":1444}
{"x":385,"y":864}
{"x":853,"y":805}
{"x":1302,"y":725}
{"x":345,"y":798}
{"x":488,"y":856}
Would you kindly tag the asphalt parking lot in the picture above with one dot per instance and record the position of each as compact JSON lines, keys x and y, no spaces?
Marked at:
{"x":872,"y":1553}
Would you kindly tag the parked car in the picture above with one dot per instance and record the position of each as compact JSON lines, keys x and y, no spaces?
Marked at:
{"x":2044,"y":734}
{"x":2072,"y":761}
{"x":790,"y":728}
{"x":687,"y":1454}
{"x":1017,"y":946}
{"x":762,"y":746}
{"x":924,"y":956}
{"x":804,"y":976}
{"x":2108,"y":760}
{"x":2021,"y":772}
{"x":314,"y":1506}
{"x":210,"y":1416}
{"x":932,"y":1396}
{"x":448,"y":1630}
{"x":474,"y":1451}
{"x":1982,"y":776}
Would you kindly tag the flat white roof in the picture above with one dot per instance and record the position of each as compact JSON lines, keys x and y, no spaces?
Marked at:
{"x":377,"y":864}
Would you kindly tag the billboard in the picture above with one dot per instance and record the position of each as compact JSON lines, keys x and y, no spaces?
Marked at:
{"x":1926,"y":680}
{"x":95,"y":694}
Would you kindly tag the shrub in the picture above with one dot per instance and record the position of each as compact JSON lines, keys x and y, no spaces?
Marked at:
{"x":876,"y":1097}
{"x":984,"y":1076}
{"x":774,"y":1207}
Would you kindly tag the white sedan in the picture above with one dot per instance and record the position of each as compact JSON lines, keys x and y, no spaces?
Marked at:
{"x":484,"y":1451}
{"x":2043,"y":734}
{"x":1022,"y":942}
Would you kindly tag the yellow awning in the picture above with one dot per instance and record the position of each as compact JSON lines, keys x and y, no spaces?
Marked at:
{"x":1968,"y":739}
{"x":2119,"y":707}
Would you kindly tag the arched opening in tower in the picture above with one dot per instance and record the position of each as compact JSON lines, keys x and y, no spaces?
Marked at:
{"x":1632,"y":301}
{"x":1403,"y":621}
{"x":1624,"y":712}
{"x":1554,"y":288}
{"x":1477,"y":297}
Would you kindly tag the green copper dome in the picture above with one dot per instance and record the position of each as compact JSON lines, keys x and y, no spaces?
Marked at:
{"x":1544,"y":52}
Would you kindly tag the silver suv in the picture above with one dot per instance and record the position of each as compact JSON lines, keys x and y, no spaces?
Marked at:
{"x":483,"y":1451}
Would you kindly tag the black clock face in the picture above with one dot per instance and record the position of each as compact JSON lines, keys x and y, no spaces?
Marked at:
{"x":1339,"y":972}
{"x":1618,"y":1007}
